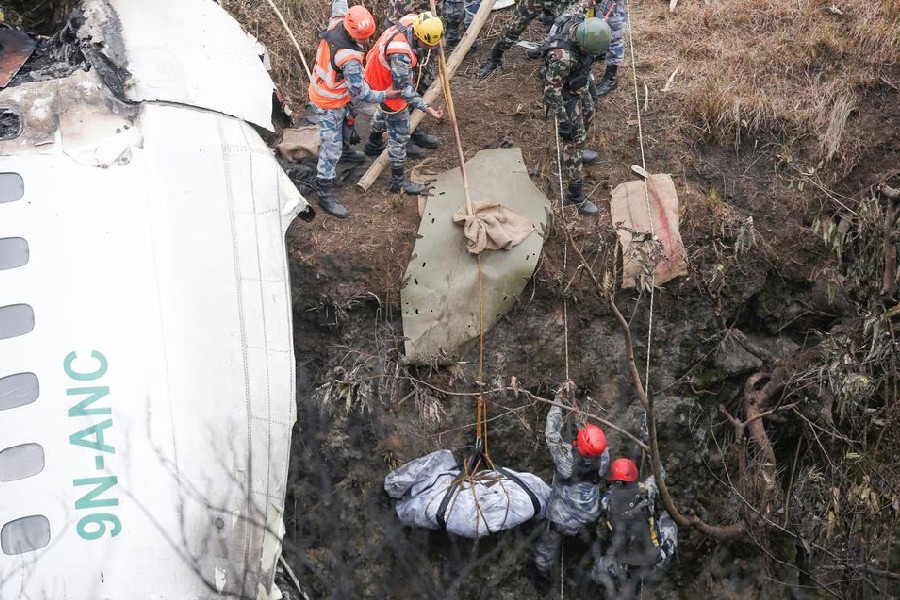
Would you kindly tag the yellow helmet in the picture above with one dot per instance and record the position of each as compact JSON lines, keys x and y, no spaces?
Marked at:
{"x":428,"y":28}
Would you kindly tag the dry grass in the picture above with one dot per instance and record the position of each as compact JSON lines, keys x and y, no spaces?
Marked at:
{"x":757,"y":68}
{"x":306,"y":18}
{"x":44,"y":17}
{"x":750,"y":69}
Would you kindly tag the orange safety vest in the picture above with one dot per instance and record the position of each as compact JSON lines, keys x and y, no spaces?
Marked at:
{"x":378,"y":70}
{"x":327,"y":89}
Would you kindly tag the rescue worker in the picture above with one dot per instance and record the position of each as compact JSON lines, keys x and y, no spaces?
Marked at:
{"x":338,"y":79}
{"x":574,"y":502}
{"x":615,"y":56}
{"x":573,"y":45}
{"x":525,"y":12}
{"x":638,"y":547}
{"x":390,"y":62}
{"x":424,"y":74}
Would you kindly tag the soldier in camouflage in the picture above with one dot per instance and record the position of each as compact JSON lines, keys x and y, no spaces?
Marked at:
{"x":574,"y":501}
{"x":425,"y":71}
{"x":525,"y":12}
{"x":616,"y":14}
{"x":573,"y":45}
{"x":459,"y":15}
{"x":399,"y":8}
{"x":633,"y":546}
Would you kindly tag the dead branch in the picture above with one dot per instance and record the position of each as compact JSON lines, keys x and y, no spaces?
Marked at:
{"x":536,"y":398}
{"x":889,"y":278}
{"x":722,"y":532}
{"x":758,"y":390}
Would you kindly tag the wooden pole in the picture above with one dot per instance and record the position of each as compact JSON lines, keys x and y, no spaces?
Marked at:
{"x":451,"y":112}
{"x":434,"y":91}
{"x":293,"y":39}
{"x":470,"y":207}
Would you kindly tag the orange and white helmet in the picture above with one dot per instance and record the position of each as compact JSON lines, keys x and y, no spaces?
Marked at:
{"x":359,"y":23}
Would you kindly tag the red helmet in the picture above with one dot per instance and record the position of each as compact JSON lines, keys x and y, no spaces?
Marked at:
{"x":359,"y":22}
{"x":591,"y":441}
{"x":623,"y":469}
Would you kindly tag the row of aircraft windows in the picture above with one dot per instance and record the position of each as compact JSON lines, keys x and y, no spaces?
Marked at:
{"x":32,"y":532}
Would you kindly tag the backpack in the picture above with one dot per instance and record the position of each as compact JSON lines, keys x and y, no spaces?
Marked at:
{"x":633,"y":538}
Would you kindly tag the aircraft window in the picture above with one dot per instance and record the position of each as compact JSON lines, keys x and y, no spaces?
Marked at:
{"x":18,"y":390}
{"x":15,"y":320}
{"x":25,"y":534}
{"x":12,"y":187}
{"x":13,"y":252}
{"x":10,"y":124}
{"x":21,"y":462}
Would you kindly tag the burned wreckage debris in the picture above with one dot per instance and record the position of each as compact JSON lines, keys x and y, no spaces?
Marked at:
{"x":147,"y":288}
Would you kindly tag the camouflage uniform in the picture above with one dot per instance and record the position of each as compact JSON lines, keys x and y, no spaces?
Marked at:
{"x":459,"y":15}
{"x":567,"y":79}
{"x":617,"y":19}
{"x":331,"y":120}
{"x":397,"y":124}
{"x":574,"y":494}
{"x":399,"y":8}
{"x":528,"y":10}
{"x":525,"y":12}
{"x":425,"y":71}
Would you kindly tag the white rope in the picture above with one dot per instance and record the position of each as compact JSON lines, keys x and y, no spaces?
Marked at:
{"x":562,"y":573}
{"x":637,"y":105}
{"x":562,"y":218}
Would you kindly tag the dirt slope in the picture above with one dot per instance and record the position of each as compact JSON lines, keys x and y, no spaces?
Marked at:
{"x":786,"y":113}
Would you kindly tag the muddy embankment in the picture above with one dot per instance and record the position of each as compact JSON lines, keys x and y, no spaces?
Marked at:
{"x":744,"y":307}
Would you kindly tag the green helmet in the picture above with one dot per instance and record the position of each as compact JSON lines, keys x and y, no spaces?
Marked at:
{"x":592,"y":35}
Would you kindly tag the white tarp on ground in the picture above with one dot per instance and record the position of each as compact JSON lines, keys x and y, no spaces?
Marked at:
{"x":429,"y":490}
{"x":146,"y":364}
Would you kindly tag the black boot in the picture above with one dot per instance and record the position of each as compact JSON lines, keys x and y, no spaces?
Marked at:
{"x":535,"y":53}
{"x":423,"y":139}
{"x":375,"y":144}
{"x":540,"y":580}
{"x":400,"y":183}
{"x":575,"y":196}
{"x":414,"y":151}
{"x":609,"y":81}
{"x":589,"y":157}
{"x":325,"y":192}
{"x":452,"y":34}
{"x":349,"y":155}
{"x":492,"y":63}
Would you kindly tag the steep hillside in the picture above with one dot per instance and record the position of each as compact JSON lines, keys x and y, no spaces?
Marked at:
{"x":777,"y":121}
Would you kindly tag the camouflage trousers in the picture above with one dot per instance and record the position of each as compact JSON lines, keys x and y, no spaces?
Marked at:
{"x":581,"y":114}
{"x":399,"y":8}
{"x":397,"y":127}
{"x":546,"y":550}
{"x":617,"y":22}
{"x":525,"y":12}
{"x":459,"y":12}
{"x":331,"y":140}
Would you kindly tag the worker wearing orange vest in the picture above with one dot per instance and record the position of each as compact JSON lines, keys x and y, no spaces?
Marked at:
{"x":388,"y":63}
{"x":336,"y":80}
